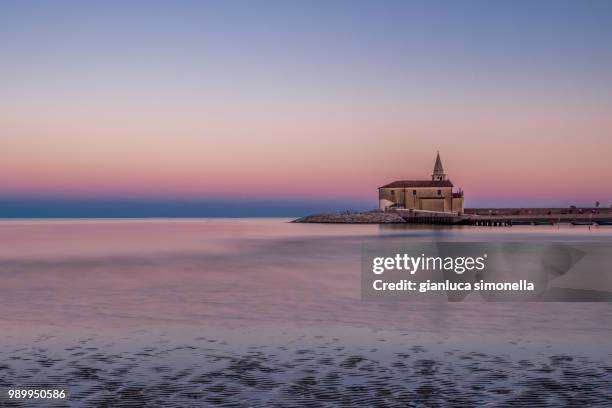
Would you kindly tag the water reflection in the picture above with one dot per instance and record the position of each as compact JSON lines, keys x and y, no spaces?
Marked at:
{"x":249,"y":310}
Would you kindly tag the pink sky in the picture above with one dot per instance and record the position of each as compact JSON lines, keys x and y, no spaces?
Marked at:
{"x":513,"y":155}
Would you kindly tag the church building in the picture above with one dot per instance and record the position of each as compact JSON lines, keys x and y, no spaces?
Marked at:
{"x":428,"y":195}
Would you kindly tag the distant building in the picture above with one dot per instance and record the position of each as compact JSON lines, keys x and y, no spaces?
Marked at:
{"x":430,"y":195}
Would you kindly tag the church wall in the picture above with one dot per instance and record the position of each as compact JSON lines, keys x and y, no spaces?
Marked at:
{"x":407,"y":199}
{"x":383,"y":204}
{"x":457,"y":205}
{"x":433,"y":204}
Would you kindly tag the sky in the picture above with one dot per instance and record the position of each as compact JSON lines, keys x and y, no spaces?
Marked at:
{"x":282,"y":107}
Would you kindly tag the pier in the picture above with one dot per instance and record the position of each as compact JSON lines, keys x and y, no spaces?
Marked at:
{"x":508,"y":217}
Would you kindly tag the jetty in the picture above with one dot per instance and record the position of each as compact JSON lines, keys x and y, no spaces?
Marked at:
{"x":353,"y":217}
{"x":538,"y":216}
{"x":491,"y":217}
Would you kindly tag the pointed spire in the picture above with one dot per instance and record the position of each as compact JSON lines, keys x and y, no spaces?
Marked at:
{"x":438,"y":166}
{"x":438,"y":172}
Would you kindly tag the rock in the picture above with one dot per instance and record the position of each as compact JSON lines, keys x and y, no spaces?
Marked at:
{"x":351,"y":217}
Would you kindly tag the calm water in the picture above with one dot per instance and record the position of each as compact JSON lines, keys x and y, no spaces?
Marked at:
{"x":266,"y":312}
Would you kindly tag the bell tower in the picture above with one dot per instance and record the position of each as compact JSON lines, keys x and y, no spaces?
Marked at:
{"x":438,"y":171}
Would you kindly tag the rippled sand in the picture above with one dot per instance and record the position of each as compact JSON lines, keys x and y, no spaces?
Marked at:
{"x":381,"y":369}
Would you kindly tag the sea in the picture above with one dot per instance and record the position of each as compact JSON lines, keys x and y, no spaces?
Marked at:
{"x":269,"y":313}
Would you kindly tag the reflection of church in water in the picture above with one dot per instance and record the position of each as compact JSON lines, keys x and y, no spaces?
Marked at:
{"x":428,"y":195}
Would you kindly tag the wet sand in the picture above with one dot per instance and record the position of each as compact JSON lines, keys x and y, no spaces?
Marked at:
{"x":351,"y":368}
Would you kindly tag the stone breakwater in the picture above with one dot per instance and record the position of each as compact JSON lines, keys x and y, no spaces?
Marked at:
{"x":472,"y":216}
{"x":353,"y":217}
